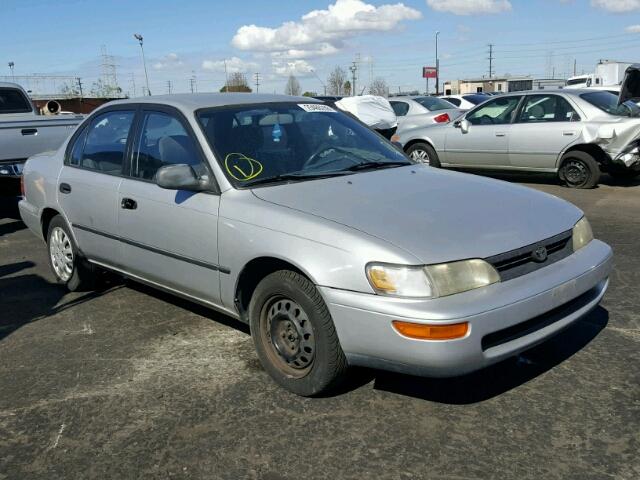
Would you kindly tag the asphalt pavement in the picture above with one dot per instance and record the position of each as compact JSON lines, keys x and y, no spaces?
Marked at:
{"x":129,"y":383}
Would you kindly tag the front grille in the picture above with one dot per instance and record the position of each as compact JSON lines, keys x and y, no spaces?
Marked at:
{"x":520,"y":261}
{"x":529,"y":326}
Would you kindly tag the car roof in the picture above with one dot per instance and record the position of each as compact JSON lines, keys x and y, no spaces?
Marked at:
{"x":195,"y":101}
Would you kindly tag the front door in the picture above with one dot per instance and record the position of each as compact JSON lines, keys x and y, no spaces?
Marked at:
{"x":486,"y":142}
{"x":89,"y":181}
{"x":169,"y":237}
{"x":545,"y":126}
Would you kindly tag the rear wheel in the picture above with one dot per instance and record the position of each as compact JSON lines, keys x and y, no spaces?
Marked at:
{"x":424,"y":153}
{"x":579,"y":170}
{"x":68,"y":266}
{"x":294,"y":335}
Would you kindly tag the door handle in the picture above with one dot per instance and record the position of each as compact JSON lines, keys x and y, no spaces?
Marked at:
{"x":568,"y":134}
{"x":129,"y":204}
{"x":65,"y":188}
{"x":501,"y":134}
{"x":29,"y":131}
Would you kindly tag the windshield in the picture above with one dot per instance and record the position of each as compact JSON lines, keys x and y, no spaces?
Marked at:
{"x":433,"y":104}
{"x":256,"y":143}
{"x":476,"y":99}
{"x":608,"y":102}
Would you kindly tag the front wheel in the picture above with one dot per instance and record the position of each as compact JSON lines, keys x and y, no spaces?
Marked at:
{"x":424,"y":153}
{"x":67,"y":265}
{"x":294,"y":335}
{"x":579,"y":170}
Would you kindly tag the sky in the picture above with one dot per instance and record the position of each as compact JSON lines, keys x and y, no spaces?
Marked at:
{"x":309,"y":38}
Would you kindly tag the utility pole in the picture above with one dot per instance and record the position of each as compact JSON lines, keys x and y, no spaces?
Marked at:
{"x":226,"y":77}
{"x":192,"y":82}
{"x":169,"y":87}
{"x":491,"y":60}
{"x":79,"y":82}
{"x":257,"y":78}
{"x":138,"y":37}
{"x":354,"y":70}
{"x":437,"y":68}
{"x":574,"y":66}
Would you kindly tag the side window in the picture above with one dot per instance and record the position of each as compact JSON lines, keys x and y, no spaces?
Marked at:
{"x":401,"y":108}
{"x":106,"y":141}
{"x":494,"y":112}
{"x":547,"y":108}
{"x":76,"y":151}
{"x":455,"y":101}
{"x":163,"y":141}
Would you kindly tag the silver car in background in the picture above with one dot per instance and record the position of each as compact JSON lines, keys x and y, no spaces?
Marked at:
{"x":331,"y":244}
{"x":573,"y":133}
{"x":420,"y":111}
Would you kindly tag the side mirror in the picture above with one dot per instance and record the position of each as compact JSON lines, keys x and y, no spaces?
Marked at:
{"x":464,"y":125}
{"x":180,"y":177}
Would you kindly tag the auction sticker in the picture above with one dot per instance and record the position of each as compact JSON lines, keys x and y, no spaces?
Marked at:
{"x":316,"y":107}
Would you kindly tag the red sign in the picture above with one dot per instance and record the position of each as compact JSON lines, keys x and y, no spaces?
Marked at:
{"x":429,"y":72}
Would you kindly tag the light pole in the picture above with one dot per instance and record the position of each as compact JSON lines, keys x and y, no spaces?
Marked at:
{"x":138,"y":37}
{"x":437,"y":66}
{"x":11,"y":65}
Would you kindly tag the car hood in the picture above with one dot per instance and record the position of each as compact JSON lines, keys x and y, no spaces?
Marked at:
{"x":435,"y":215}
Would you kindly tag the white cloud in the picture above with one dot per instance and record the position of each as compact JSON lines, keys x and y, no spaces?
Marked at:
{"x":617,"y":6}
{"x":633,"y":29}
{"x":320,"y":32}
{"x":171,"y":60}
{"x":233,"y":65}
{"x":299,"y":68}
{"x":470,"y":7}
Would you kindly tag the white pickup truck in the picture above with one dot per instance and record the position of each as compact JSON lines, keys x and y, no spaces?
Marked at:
{"x":23,"y":132}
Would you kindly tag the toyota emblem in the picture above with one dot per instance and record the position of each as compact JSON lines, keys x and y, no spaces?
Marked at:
{"x":539,"y":254}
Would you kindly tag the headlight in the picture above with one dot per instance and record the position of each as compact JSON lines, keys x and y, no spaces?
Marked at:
{"x":433,"y":280}
{"x":582,"y":234}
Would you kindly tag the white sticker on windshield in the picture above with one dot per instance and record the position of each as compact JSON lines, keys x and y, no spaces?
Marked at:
{"x":316,"y":107}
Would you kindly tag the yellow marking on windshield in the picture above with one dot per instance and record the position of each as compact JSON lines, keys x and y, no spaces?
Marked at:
{"x":239,"y":162}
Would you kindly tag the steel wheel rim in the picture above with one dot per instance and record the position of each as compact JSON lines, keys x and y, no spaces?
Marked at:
{"x":61,"y":253}
{"x":288,"y":336}
{"x":576,"y":172}
{"x":420,"y":155}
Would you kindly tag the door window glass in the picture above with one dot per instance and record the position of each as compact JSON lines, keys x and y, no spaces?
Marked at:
{"x":163,"y":141}
{"x":106,"y":142}
{"x":547,"y":108}
{"x":494,"y":112}
{"x":12,"y":101}
{"x":76,"y":151}
{"x":400,"y":108}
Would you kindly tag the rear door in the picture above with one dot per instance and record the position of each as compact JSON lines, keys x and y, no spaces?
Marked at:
{"x":544,"y":127}
{"x":170,"y":237}
{"x":89,"y":181}
{"x":486,"y":143}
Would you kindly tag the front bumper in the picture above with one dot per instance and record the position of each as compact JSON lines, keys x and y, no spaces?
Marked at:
{"x":504,"y":319}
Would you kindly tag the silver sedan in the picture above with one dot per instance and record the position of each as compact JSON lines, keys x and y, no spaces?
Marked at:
{"x":575,"y":134}
{"x":423,"y":110}
{"x":295,"y":218}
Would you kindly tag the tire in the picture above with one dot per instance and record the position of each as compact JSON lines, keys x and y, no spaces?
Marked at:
{"x":68,"y":266}
{"x":294,"y":335}
{"x":424,"y":153}
{"x":579,"y":170}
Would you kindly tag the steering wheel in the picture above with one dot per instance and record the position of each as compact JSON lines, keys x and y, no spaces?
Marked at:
{"x":315,"y":161}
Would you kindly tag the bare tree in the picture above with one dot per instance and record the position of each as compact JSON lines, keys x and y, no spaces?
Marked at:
{"x":347,"y":88}
{"x":335,"y":82}
{"x":379,"y":87}
{"x":237,"y":83}
{"x":293,"y":86}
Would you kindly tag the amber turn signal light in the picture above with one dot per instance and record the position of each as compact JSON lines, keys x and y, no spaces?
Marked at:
{"x":421,"y":331}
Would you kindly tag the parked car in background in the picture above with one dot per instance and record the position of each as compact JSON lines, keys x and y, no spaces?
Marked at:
{"x":423,"y":110}
{"x":466,"y":102}
{"x":575,"y":133}
{"x":274,"y":210}
{"x":24,"y":133}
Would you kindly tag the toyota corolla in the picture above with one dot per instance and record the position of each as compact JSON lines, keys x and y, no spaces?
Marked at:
{"x":331,"y":244}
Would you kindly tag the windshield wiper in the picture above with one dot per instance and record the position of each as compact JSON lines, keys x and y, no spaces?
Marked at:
{"x":375,"y":166}
{"x":290,"y":176}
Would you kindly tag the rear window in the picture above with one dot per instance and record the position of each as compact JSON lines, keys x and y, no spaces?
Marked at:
{"x":476,"y":99}
{"x":13,"y":101}
{"x":434,"y":104}
{"x":608,"y":102}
